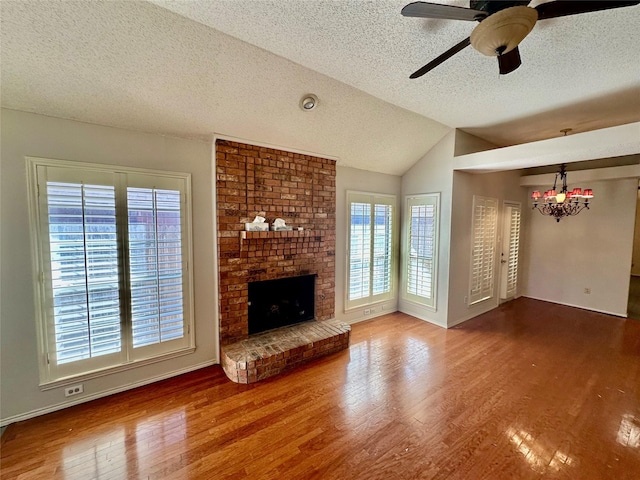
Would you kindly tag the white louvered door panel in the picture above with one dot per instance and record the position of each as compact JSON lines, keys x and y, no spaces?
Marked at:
{"x":510,"y":249}
{"x":514,"y":245}
{"x":483,"y":256}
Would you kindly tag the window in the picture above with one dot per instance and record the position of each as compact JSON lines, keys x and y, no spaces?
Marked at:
{"x":370,"y":259}
{"x":421,"y":249}
{"x":483,"y":255}
{"x":112,"y":252}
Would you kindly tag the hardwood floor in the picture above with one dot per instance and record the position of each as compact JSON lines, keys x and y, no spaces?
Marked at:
{"x":530,"y":390}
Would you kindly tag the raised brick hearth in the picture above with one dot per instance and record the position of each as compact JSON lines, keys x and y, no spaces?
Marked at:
{"x":267,"y":354}
{"x":254,"y":180}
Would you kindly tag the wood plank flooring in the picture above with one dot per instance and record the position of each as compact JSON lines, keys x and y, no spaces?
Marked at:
{"x":530,"y":390}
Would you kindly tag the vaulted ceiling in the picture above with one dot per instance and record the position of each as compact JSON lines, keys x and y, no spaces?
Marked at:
{"x":240,"y":67}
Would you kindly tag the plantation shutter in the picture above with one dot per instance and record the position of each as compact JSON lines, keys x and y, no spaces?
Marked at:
{"x":113,"y":255}
{"x":359,"y":250}
{"x":370,"y":254}
{"x":513,"y":213}
{"x":81,"y":269}
{"x":155,"y":273}
{"x":484,"y":229}
{"x":382,"y":240}
{"x":422,"y":230}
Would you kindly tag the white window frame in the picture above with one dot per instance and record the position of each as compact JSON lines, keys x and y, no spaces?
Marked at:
{"x":39,"y":169}
{"x":418,"y":200}
{"x":482,"y":280}
{"x":372,"y":199}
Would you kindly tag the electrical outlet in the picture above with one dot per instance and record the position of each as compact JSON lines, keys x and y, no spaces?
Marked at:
{"x":367,"y":311}
{"x":73,"y":390}
{"x":587,"y":291}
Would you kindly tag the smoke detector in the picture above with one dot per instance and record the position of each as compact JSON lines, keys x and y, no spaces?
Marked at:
{"x":308,"y":102}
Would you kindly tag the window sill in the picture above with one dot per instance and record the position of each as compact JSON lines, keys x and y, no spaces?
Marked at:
{"x":62,"y":382}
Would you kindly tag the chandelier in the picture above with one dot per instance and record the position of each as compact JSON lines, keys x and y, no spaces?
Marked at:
{"x":564,"y":203}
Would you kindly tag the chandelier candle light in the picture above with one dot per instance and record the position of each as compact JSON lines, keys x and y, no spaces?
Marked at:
{"x":563,"y":203}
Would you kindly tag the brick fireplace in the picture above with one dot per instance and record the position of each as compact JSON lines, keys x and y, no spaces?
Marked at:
{"x":298,"y":188}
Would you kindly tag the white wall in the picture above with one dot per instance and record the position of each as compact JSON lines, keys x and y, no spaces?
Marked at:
{"x":467,"y":144}
{"x":433,"y":173}
{"x":362,"y":181}
{"x":503,"y":186}
{"x":26,"y":134}
{"x":591,"y":250}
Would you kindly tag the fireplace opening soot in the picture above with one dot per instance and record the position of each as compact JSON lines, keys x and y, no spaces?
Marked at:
{"x":281,"y":302}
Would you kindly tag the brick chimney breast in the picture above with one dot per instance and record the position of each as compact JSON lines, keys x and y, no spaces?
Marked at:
{"x":300,"y":189}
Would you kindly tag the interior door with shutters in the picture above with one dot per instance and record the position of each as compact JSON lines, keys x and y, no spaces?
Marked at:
{"x":510,"y":248}
{"x":483,"y":275}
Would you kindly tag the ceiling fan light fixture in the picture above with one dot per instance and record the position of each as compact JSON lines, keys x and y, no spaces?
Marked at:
{"x":504,"y":30}
{"x":503,"y":24}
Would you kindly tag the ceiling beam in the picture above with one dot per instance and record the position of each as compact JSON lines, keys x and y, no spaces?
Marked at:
{"x":604,"y":143}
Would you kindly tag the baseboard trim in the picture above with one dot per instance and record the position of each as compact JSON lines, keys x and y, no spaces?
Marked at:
{"x":413,"y":313}
{"x":581,"y":307}
{"x":105,"y":393}
{"x":353,"y":321}
{"x":466,"y":319}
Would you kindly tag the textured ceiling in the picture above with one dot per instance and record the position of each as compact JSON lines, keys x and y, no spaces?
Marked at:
{"x":567,"y":62}
{"x":182,"y":70}
{"x":138,"y":66}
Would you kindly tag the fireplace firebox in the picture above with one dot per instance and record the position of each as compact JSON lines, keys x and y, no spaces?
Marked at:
{"x":281,"y":302}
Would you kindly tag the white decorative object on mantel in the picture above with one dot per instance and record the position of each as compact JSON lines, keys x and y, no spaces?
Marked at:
{"x":258,"y":225}
{"x":279,"y":225}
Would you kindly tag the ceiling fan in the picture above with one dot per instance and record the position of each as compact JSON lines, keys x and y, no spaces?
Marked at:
{"x":503,"y":25}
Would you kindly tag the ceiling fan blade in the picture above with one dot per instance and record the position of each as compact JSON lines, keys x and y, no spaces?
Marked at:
{"x":435,"y":10}
{"x":509,"y":61}
{"x":562,"y":8}
{"x":445,"y":56}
